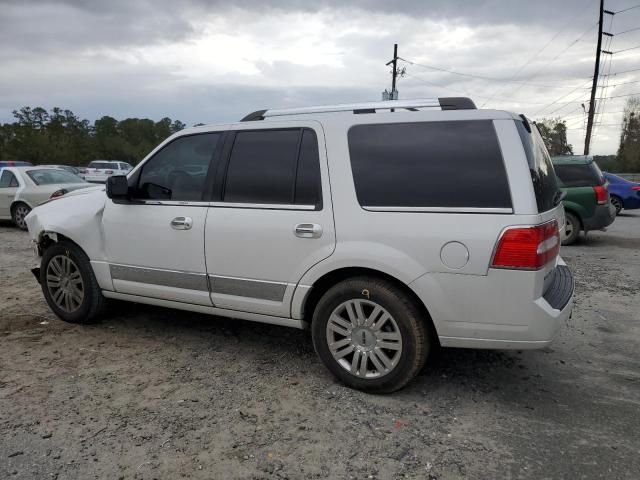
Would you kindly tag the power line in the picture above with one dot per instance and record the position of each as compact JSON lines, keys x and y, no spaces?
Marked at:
{"x":626,"y":31}
{"x":625,"y":71}
{"x":625,"y":95}
{"x":499,"y":89}
{"x":627,"y":9}
{"x":561,"y":98}
{"x":481,"y":77}
{"x":558,"y":55}
{"x":627,"y":49}
{"x":458,"y":90}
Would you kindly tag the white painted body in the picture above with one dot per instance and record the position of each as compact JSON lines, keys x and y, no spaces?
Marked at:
{"x":470,"y":304}
{"x":28,"y":192}
{"x":100,"y":175}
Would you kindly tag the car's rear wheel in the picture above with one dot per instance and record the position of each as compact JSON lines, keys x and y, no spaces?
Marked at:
{"x":370,"y":334}
{"x":69,"y":284}
{"x":617,"y":203}
{"x":571,"y":229}
{"x":18,"y":214}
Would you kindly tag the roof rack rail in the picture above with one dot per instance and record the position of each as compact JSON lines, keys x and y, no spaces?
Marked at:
{"x":444,"y":103}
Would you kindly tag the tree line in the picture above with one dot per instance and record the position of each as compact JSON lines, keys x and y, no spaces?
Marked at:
{"x":627,"y":159}
{"x":60,"y":137}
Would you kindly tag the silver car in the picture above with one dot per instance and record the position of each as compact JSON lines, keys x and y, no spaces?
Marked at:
{"x":24,"y":188}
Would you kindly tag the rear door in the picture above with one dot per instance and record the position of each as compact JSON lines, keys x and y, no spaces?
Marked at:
{"x":271,"y":219}
{"x":8,"y":188}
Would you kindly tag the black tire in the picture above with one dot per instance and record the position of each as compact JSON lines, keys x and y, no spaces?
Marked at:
{"x":617,"y":203}
{"x":18,"y":212}
{"x":93,"y":303}
{"x":409,"y":319}
{"x":572,"y":229}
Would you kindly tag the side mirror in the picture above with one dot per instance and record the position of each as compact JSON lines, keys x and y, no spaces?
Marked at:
{"x":117,"y":187}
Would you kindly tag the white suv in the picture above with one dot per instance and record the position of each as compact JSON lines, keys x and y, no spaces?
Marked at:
{"x":99,"y":170}
{"x":387,"y":228}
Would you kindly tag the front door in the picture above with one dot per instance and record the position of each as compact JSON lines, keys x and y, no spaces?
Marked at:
{"x":155,"y":242}
{"x":272,"y":219}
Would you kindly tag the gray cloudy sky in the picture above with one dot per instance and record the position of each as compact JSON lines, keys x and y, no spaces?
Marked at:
{"x":209,"y":61}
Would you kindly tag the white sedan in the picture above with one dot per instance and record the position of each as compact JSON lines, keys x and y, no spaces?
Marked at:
{"x":23,"y":188}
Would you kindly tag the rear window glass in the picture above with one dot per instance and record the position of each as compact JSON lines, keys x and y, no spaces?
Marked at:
{"x":545,"y":184}
{"x":588,"y":175}
{"x":51,"y":176}
{"x":452,"y":164}
{"x":103,"y":165}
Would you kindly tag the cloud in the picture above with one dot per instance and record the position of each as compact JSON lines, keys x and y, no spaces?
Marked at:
{"x":208,"y":61}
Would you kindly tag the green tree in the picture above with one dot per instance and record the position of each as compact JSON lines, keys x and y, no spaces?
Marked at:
{"x":629,"y":149}
{"x":59,"y":136}
{"x":554,"y":135}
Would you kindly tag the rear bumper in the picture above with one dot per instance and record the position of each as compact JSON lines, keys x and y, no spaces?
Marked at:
{"x":96,"y":178}
{"x":499,"y":310}
{"x":603,"y":217}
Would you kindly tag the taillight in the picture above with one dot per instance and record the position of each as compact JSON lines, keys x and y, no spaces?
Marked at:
{"x":58,"y":193}
{"x":636,"y":188}
{"x":527,"y":248}
{"x":109,"y":172}
{"x":601,"y":194}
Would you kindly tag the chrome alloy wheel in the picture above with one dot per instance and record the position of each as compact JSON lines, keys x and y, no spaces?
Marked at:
{"x":20,"y":212}
{"x":65,"y":283}
{"x":364,"y":338}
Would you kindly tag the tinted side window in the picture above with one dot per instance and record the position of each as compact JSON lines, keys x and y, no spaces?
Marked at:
{"x":429,"y":164}
{"x":308,"y":183}
{"x":8,"y":179}
{"x":543,"y":176}
{"x":262,"y":167}
{"x":179,"y":170}
{"x":579,"y":175}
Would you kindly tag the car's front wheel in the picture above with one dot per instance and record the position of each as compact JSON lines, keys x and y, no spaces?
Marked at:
{"x":69,"y":284}
{"x":617,"y":203}
{"x":18,"y":214}
{"x":370,"y":334}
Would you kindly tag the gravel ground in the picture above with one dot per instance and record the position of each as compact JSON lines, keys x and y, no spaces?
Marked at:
{"x":154,"y":393}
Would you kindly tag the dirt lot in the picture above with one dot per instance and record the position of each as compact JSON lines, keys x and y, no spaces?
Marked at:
{"x":153,"y":393}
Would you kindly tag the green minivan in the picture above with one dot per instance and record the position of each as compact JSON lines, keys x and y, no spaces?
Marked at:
{"x":587,"y":203}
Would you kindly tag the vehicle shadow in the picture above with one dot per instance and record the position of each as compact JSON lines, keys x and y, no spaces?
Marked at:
{"x":276,"y":342}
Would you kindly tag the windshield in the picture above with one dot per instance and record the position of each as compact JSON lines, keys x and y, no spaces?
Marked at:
{"x":51,"y":176}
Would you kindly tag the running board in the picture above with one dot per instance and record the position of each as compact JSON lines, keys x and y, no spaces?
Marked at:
{"x":222,"y":312}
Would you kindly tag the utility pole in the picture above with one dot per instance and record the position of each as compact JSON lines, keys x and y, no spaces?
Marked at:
{"x":594,"y":86}
{"x":393,"y":95}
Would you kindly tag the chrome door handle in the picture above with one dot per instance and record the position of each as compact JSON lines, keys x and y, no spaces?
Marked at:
{"x":182,"y":223}
{"x":308,"y":230}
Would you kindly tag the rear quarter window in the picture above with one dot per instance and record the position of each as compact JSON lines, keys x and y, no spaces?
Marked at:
{"x":543,"y":176}
{"x":587,"y":175}
{"x":452,"y":164}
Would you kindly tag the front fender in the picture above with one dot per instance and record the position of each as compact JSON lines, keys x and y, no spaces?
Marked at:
{"x":77,"y":217}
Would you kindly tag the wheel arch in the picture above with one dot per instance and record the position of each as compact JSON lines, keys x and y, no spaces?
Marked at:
{"x":18,"y":201}
{"x":329,"y":279}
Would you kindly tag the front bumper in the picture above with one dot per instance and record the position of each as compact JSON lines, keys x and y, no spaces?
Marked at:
{"x":603,"y":217}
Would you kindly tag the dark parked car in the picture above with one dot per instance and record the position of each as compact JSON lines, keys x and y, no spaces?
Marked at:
{"x":624,"y":193}
{"x":587,"y":204}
